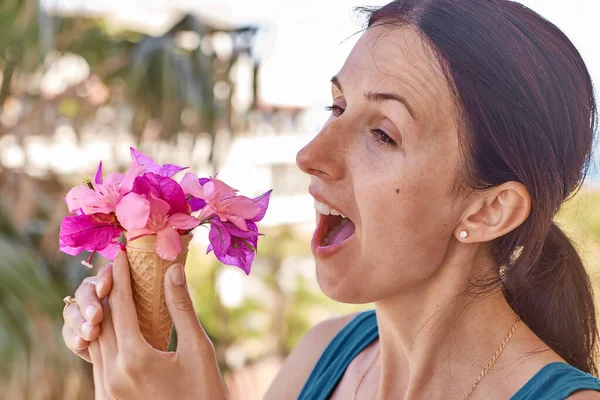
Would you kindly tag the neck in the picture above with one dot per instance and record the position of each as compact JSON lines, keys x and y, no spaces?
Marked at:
{"x":436,"y":340}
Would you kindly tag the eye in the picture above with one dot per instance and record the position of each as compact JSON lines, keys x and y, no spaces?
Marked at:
{"x":382,"y":138}
{"x":335,"y":110}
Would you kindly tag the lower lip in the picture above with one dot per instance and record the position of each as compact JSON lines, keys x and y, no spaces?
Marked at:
{"x":324,"y":252}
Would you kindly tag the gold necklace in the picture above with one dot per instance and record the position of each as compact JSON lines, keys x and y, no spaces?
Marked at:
{"x":366,"y":371}
{"x":479,"y":378}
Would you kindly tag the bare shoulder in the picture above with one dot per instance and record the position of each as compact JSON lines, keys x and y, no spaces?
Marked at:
{"x":298,"y":365}
{"x":585,"y":395}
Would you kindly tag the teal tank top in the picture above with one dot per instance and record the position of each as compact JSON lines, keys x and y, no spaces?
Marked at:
{"x":556,"y":381}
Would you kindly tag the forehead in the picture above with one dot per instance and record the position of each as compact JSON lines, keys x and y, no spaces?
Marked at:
{"x":398,"y":59}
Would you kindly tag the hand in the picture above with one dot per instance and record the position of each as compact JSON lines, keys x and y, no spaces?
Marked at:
{"x":82,"y":319}
{"x":127,"y":367}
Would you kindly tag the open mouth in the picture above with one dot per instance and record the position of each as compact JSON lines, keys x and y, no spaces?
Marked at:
{"x":333,"y":230}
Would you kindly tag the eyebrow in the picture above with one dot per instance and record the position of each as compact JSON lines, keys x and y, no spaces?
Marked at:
{"x":379,"y":97}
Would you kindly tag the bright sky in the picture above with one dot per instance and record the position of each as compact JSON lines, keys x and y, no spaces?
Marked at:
{"x":305,"y":45}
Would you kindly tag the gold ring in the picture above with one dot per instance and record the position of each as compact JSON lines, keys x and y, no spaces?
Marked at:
{"x":69,"y":300}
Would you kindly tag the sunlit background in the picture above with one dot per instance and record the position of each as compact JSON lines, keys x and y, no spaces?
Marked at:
{"x":229,"y":86}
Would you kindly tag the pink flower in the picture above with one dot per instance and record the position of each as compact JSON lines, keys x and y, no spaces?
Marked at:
{"x":112,"y":196}
{"x":221,"y":200}
{"x":166,"y":228}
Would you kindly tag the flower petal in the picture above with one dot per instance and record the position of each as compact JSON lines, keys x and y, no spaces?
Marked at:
{"x":159,"y":212}
{"x":132,"y":235}
{"x":140,"y":159}
{"x":262,"y":202}
{"x":207,"y":212}
{"x":88,"y":200}
{"x":219,"y":238}
{"x":84,"y":231}
{"x":240,"y":206}
{"x":164,"y":188}
{"x":110,"y":251}
{"x":127,"y":182}
{"x":72,"y":251}
{"x":74,"y":196}
{"x":98,"y":177}
{"x":239,"y":222}
{"x":169,"y":170}
{"x":191,"y":185}
{"x":216,"y":190}
{"x":133,"y":211}
{"x":114,"y":178}
{"x":183,"y":221}
{"x":196,"y":204}
{"x":240,"y":254}
{"x":168,"y":244}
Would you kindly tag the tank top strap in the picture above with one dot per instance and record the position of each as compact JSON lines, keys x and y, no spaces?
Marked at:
{"x":361,"y":331}
{"x":556,"y":381}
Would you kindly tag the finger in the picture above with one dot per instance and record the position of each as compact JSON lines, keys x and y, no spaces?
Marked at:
{"x":122,"y":308}
{"x":98,"y":371}
{"x":104,"y":281}
{"x":75,"y":343}
{"x":88,"y":301}
{"x":75,"y":321}
{"x":108,"y":340}
{"x":189,"y":331}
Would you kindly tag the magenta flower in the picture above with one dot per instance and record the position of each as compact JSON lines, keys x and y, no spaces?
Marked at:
{"x":94,"y":233}
{"x":166,"y":227}
{"x":164,"y":188}
{"x":221,"y":200}
{"x":139,"y":159}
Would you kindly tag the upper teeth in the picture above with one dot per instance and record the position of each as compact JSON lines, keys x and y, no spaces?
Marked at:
{"x":326,"y":210}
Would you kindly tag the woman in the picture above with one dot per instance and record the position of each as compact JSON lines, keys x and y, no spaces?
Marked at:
{"x":457,"y":130}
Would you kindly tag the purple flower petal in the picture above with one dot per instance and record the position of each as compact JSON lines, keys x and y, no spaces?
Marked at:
{"x":262,"y":202}
{"x":235,"y":231}
{"x":219,"y":238}
{"x":98,"y":177}
{"x":86,"y":232}
{"x":240,"y":254}
{"x":169,"y":170}
{"x":231,"y":249}
{"x":196,"y":203}
{"x":138,"y":158}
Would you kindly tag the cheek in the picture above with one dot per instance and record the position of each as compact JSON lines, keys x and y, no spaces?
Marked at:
{"x":410,"y":213}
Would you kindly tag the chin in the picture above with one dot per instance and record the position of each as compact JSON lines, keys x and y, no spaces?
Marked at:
{"x":337,"y":283}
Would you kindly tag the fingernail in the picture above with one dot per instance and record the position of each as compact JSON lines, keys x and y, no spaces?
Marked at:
{"x":86,"y":328}
{"x":89,"y":312}
{"x":176,"y":275}
{"x":99,"y":287}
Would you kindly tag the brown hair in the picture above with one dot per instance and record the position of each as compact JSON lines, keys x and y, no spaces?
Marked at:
{"x":528,"y":114}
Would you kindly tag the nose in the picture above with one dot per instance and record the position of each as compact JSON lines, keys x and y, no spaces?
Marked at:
{"x":322,"y":157}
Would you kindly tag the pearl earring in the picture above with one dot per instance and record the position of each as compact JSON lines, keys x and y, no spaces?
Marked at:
{"x":464,"y":234}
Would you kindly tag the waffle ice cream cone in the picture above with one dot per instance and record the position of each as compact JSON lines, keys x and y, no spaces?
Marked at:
{"x":147,"y":281}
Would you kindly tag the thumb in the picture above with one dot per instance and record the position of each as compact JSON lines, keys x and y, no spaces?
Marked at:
{"x":189,"y":331}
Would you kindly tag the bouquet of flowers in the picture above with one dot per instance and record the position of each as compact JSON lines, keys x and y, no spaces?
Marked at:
{"x":156,"y":215}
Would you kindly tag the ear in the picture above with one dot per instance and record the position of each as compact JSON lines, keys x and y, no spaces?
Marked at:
{"x":494,"y":213}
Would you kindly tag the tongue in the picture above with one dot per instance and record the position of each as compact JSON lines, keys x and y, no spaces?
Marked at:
{"x":340,"y":233}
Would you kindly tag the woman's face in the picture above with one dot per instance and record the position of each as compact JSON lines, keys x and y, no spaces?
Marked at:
{"x":387,"y":158}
